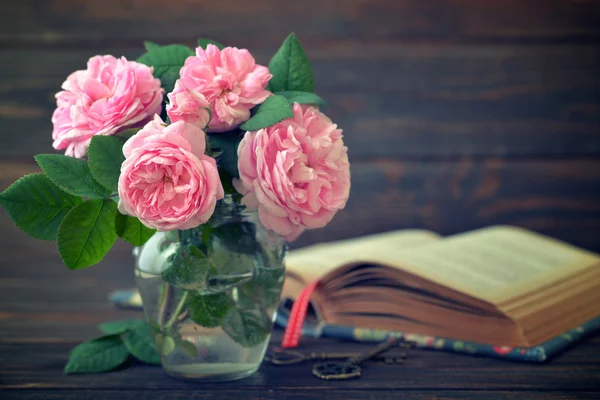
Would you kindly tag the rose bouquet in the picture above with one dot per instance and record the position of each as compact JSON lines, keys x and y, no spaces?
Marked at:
{"x":208,"y":163}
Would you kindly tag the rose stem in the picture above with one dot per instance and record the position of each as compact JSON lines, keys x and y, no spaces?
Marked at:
{"x":163,"y":305}
{"x":182,"y":316}
{"x":175,"y":315}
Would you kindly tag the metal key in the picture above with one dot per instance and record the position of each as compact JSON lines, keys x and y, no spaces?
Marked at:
{"x":291,"y":357}
{"x":351,"y":368}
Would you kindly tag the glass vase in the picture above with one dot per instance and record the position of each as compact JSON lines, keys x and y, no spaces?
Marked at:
{"x":210,"y":294}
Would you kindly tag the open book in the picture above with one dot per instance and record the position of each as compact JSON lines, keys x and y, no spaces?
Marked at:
{"x":499,"y":285}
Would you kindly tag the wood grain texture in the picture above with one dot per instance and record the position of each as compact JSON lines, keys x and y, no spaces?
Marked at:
{"x":30,"y":366}
{"x":560,"y":198}
{"x":265,"y":22}
{"x":279,"y":394}
{"x":392,"y":101}
{"x":458,"y":114}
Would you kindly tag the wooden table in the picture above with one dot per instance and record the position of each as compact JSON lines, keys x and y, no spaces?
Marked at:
{"x":46,"y":310}
{"x":458,"y":115}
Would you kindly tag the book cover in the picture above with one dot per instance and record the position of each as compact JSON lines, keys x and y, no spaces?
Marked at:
{"x":536,"y":354}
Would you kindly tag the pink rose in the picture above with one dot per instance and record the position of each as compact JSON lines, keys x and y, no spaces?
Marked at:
{"x":110,"y":95}
{"x":166,"y":179}
{"x":188,"y":105}
{"x":295,"y":172}
{"x":230,"y":80}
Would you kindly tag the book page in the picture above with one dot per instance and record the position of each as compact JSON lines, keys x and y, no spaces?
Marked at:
{"x":491,"y":264}
{"x":312,"y":262}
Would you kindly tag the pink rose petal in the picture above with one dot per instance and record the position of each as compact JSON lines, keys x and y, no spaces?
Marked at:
{"x":296,"y":173}
{"x":110,"y":95}
{"x":166,"y":180}
{"x":229,"y":80}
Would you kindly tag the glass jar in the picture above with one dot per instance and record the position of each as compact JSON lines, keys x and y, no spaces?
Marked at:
{"x":210,"y":294}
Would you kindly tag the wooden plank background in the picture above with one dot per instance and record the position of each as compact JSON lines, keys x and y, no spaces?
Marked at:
{"x":458,"y":113}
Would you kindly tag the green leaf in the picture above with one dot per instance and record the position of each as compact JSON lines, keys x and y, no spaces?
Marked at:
{"x":37,"y":206}
{"x":248,"y":327}
{"x":227,"y":145}
{"x":208,"y":310}
{"x":303,"y":98}
{"x":206,"y":232}
{"x":265,"y":287}
{"x":290,"y":68}
{"x":186,"y":347}
{"x":238,"y":237}
{"x":205,"y":42}
{"x":164,"y":344}
{"x":167,"y":61}
{"x":151,"y":46}
{"x":236,"y":266}
{"x":140,"y":344}
{"x":105,"y":156}
{"x":131,"y":230}
{"x":128,"y":133}
{"x":119,"y":327}
{"x":273,"y":110}
{"x":99,"y":355}
{"x":227,"y":182}
{"x":153,"y":324}
{"x":189,"y":268}
{"x":87,"y":233}
{"x":72,"y":175}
